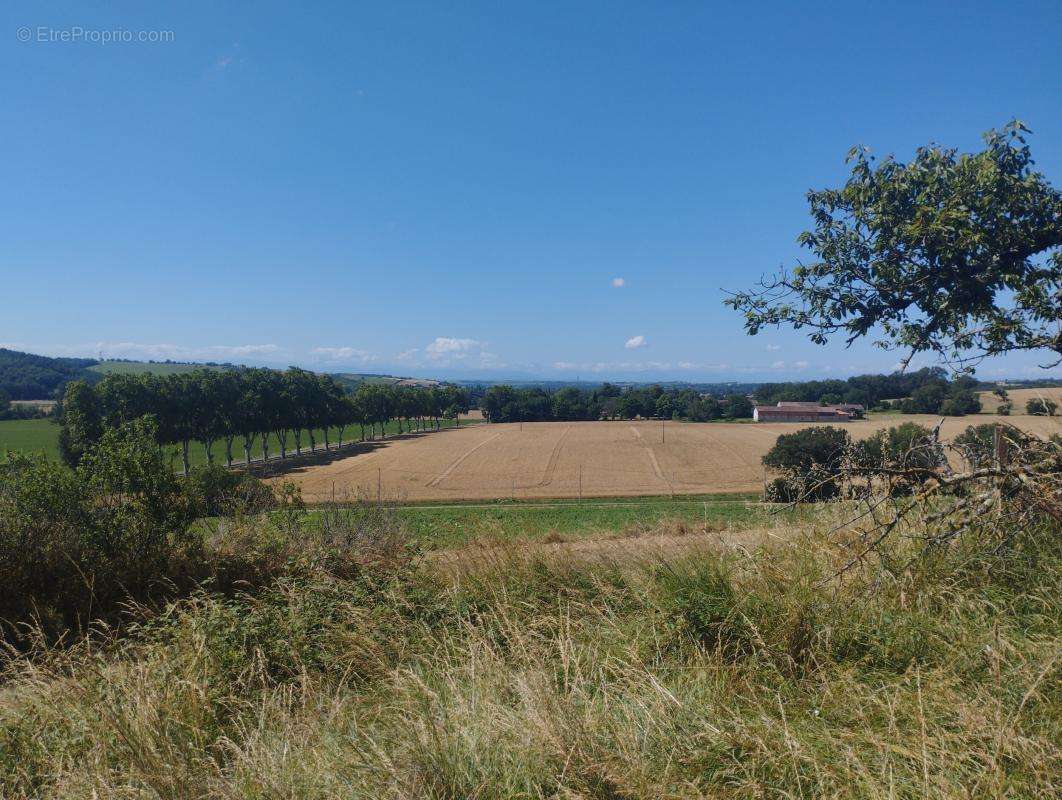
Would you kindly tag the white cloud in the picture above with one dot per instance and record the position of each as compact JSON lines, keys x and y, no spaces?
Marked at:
{"x":800,"y":364}
{"x":160,"y":351}
{"x":446,"y":351}
{"x":175,"y":352}
{"x":773,"y":347}
{"x":447,"y":345}
{"x":338,"y":354}
{"x":778,"y":365}
{"x":637,"y":366}
{"x":249,"y":349}
{"x":635,"y":342}
{"x":619,"y":283}
{"x":229,"y":58}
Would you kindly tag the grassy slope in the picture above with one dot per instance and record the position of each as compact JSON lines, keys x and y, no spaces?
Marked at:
{"x":41,"y":435}
{"x":146,"y":368}
{"x":455,"y":525}
{"x":739,"y":675}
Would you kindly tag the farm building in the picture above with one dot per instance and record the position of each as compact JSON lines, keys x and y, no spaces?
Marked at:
{"x":787,"y":411}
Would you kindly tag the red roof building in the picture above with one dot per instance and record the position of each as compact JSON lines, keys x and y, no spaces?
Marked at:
{"x":791,"y":411}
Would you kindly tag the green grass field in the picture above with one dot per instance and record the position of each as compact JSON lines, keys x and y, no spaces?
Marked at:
{"x":42,"y":435}
{"x":29,"y":436}
{"x":145,"y":368}
{"x":452,"y":525}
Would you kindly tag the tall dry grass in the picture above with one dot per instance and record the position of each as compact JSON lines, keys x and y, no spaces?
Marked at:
{"x":745,"y":673}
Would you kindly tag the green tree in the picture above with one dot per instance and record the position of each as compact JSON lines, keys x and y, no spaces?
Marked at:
{"x":302,"y":391}
{"x":801,"y":451}
{"x":81,"y":420}
{"x":905,"y":446}
{"x":736,"y":406}
{"x":926,"y":399}
{"x":953,"y":254}
{"x":665,"y":407}
{"x":180,"y":395}
{"x":1041,"y":407}
{"x":228,"y":391}
{"x":456,"y":402}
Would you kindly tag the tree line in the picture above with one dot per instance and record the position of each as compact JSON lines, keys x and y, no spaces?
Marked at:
{"x":505,"y":403}
{"x":241,"y":407}
{"x":929,"y":387}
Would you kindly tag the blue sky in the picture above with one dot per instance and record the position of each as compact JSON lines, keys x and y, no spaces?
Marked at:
{"x":457,"y":189}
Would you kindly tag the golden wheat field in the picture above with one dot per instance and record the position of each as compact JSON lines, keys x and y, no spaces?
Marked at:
{"x":1019,"y":397}
{"x":572,"y":459}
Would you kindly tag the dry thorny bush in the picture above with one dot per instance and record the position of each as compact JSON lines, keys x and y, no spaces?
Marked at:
{"x":984,"y":487}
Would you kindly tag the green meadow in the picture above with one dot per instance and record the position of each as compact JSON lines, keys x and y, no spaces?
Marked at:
{"x":437,"y":526}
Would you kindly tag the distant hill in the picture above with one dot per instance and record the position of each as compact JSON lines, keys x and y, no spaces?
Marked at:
{"x":25,"y":376}
{"x":351,"y":380}
{"x":118,"y":367}
{"x":717,"y":389}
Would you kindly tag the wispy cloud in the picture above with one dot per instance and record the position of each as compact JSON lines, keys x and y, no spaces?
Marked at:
{"x":773,"y":347}
{"x":162,"y":351}
{"x":636,"y":342}
{"x":230,"y":59}
{"x":450,"y":346}
{"x":619,"y":283}
{"x":605,"y":367}
{"x":445,"y":351}
{"x":342,"y":354}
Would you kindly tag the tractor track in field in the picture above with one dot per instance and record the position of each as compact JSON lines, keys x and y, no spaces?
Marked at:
{"x":434,"y":482}
{"x":554,"y":458}
{"x":652,"y":456}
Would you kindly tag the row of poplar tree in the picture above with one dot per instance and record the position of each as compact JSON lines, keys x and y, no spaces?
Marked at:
{"x":240,"y":407}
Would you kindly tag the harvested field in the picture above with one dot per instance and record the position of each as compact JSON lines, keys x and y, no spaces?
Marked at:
{"x":573,"y":459}
{"x":1019,"y":397}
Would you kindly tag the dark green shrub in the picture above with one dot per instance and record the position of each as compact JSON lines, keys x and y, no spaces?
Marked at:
{"x":807,"y":448}
{"x":215,"y":491}
{"x":1041,"y":407}
{"x":77,"y":545}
